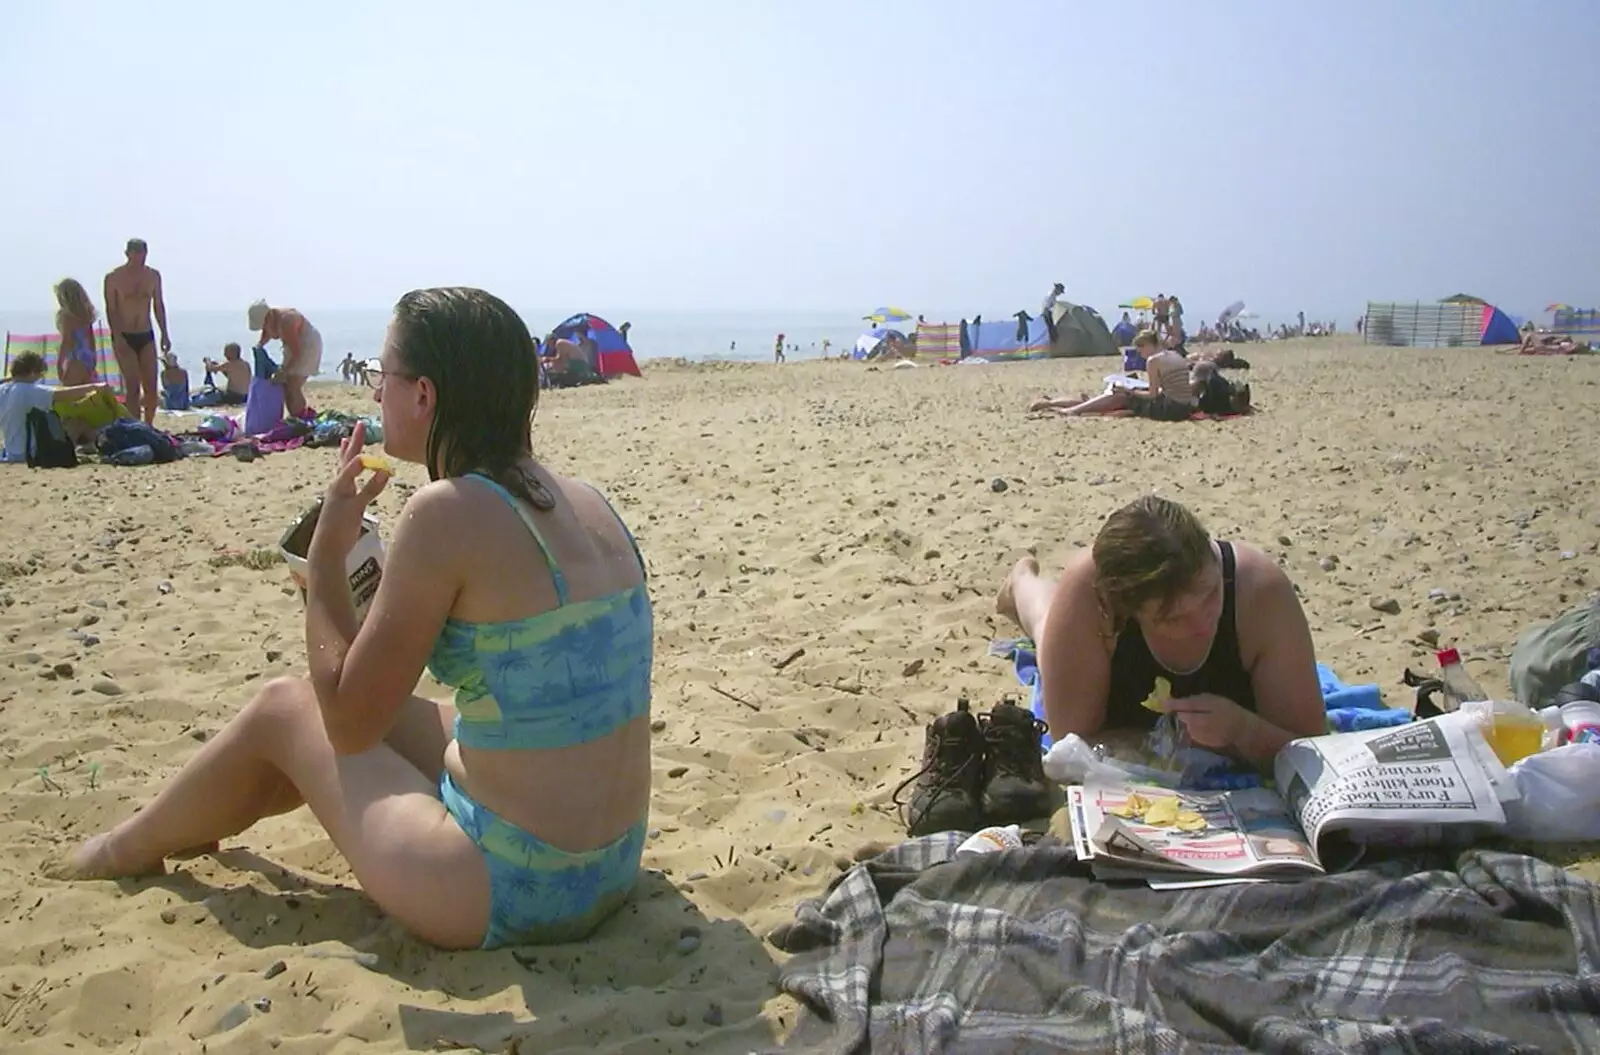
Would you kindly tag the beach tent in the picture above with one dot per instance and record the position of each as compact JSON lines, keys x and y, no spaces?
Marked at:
{"x":1080,"y":332}
{"x":616,"y":358}
{"x":1498,"y":327}
{"x":869,"y":344}
{"x":996,"y":341}
{"x":1442,"y":324}
{"x":48,"y":345}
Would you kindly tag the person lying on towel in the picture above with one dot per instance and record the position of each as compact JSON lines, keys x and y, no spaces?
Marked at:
{"x":519,"y":814}
{"x":1170,"y":396}
{"x":1157,"y":596}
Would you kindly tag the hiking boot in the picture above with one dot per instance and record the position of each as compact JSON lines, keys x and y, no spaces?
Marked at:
{"x":949,"y":784}
{"x":1015,"y":788}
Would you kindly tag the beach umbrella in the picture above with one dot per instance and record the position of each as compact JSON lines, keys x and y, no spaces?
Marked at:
{"x":1139,"y":304}
{"x":1558,"y":307}
{"x":883,"y":315}
{"x":1230,"y":313}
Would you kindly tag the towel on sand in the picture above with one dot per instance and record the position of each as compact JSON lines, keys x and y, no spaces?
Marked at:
{"x":1350,"y":707}
{"x":1022,"y":951}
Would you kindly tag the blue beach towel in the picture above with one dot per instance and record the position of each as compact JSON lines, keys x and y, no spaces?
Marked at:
{"x":1350,"y":707}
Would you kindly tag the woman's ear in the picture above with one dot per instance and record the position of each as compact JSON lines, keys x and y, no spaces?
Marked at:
{"x":427,"y":395}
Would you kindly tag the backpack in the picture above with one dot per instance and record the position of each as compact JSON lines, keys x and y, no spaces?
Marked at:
{"x":48,"y":444}
{"x":1550,"y":656}
{"x":127,"y":432}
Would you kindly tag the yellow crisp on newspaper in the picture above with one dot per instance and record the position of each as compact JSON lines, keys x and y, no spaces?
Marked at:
{"x":1162,"y":813}
{"x":1134,"y":805}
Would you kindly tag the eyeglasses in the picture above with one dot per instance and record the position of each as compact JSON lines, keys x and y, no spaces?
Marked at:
{"x":376,"y":375}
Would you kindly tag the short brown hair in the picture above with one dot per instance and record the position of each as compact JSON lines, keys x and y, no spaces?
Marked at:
{"x":1145,"y":337}
{"x":231,"y":346}
{"x":1151,"y":549}
{"x":137,"y":245}
{"x":27,"y":364}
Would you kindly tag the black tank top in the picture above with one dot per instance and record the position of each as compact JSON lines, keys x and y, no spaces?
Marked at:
{"x":1134,"y":669}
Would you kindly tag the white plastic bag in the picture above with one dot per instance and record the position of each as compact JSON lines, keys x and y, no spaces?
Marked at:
{"x":1560,"y":796}
{"x":1073,"y":760}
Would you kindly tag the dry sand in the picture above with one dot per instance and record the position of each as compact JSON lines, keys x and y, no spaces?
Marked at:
{"x":837,"y":508}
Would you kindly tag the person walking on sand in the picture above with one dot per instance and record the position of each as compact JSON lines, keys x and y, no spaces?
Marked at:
{"x":302,"y":350}
{"x":133,"y":294}
{"x":777,"y":350}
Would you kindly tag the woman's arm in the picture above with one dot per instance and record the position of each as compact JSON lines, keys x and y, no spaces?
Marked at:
{"x":1074,"y":669}
{"x":73,"y":393}
{"x":364,"y":672}
{"x":1283,"y":666}
{"x":1153,"y":376}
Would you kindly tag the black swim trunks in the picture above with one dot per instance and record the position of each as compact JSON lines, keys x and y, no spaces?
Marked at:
{"x":141,"y":340}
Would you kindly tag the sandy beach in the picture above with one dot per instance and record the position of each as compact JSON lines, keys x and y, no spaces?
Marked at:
{"x":824,"y":541}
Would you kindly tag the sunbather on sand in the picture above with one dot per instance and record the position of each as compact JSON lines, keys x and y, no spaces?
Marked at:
{"x":1157,"y":596}
{"x":1535,"y":343}
{"x":1170,"y":396}
{"x":517,"y":815}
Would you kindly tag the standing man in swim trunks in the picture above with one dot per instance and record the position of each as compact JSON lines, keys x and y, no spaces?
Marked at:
{"x":132,"y":292}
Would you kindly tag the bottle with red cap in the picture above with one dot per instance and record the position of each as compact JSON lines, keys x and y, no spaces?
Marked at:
{"x":1458,"y":685}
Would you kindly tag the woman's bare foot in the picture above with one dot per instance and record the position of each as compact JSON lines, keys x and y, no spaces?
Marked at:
{"x":97,"y":858}
{"x":1005,"y":601}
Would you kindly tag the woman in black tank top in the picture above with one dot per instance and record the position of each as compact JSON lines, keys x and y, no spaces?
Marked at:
{"x":1134,"y":668}
{"x":1157,"y":598}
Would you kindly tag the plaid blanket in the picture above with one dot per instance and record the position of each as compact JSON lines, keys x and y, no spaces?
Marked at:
{"x":1020,"y":951}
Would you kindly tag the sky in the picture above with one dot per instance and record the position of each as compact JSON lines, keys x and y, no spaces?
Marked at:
{"x":752,"y":155}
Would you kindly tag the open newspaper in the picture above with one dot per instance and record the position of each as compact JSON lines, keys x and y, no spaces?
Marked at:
{"x":1419,"y":784}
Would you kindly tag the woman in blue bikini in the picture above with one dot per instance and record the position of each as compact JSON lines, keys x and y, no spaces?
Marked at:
{"x":518,"y":814}
{"x":75,"y":317}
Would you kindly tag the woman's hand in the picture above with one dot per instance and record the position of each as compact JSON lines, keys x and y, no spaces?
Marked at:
{"x":339,"y":524}
{"x":1212,"y":721}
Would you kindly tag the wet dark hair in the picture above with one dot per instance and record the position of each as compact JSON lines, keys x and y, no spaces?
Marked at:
{"x":137,"y":245}
{"x":1152,"y":549}
{"x":485,"y":368}
{"x":27,"y":364}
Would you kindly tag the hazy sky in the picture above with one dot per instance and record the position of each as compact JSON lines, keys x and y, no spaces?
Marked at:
{"x":749,"y":154}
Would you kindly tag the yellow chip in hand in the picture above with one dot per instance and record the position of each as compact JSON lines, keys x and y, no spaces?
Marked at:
{"x":1190,"y":821}
{"x":1162,"y":813}
{"x":1157,"y":700}
{"x":378,"y":463}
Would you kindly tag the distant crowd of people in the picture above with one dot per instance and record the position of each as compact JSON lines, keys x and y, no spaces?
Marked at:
{"x":141,"y":342}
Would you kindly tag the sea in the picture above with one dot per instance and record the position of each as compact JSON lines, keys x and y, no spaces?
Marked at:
{"x":746,"y":336}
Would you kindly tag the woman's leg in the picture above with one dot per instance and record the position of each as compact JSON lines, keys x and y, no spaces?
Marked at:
{"x":1116,"y":399}
{"x":1025,"y":597}
{"x":381,"y":810}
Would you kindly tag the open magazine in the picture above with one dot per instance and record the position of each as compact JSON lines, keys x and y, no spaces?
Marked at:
{"x":1419,"y":784}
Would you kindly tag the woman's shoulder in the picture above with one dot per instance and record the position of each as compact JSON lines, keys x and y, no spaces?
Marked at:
{"x":1075,"y":584}
{"x":1261,"y":584}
